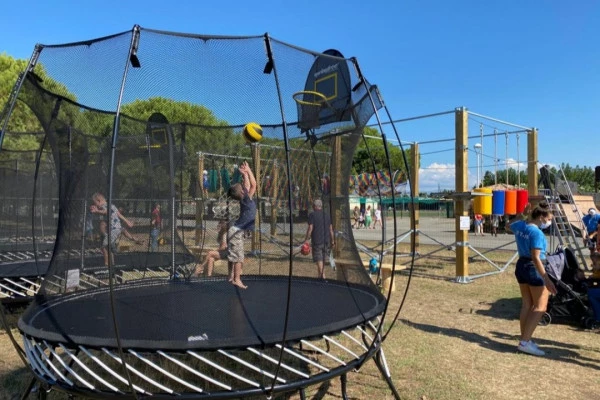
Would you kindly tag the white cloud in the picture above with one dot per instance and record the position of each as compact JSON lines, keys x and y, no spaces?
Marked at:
{"x":439,"y":176}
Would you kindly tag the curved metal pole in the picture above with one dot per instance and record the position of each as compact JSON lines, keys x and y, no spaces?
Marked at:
{"x":271,"y":68}
{"x":412,"y":216}
{"x":394,"y":252}
{"x":111,"y":273}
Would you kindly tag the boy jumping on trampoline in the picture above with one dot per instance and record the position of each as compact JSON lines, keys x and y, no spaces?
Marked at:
{"x":100,"y":206}
{"x":244,"y":193}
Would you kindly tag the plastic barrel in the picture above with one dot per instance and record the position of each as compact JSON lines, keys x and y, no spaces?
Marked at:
{"x":498,"y":197}
{"x":510,"y":202}
{"x":483,"y":204}
{"x":522,"y":200}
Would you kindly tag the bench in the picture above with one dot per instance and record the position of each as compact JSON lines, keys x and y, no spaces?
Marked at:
{"x":124,"y":247}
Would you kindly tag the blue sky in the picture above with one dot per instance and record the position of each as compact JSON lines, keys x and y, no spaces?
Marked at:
{"x":532,"y":63}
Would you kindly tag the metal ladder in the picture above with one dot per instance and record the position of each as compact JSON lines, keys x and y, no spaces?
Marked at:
{"x":562,"y":227}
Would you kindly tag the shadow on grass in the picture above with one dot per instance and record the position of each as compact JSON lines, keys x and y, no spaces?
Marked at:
{"x":464,"y":335}
{"x":565,"y":352}
{"x":323,"y":391}
{"x":508,"y":309}
{"x":419,"y":272}
{"x":13,"y":384}
{"x":559,"y":351}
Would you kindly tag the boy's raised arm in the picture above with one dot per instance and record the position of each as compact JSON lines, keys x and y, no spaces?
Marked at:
{"x":249,"y":179}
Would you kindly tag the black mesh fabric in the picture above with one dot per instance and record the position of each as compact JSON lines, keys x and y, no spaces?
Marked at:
{"x":94,"y":108}
{"x":28,"y":206}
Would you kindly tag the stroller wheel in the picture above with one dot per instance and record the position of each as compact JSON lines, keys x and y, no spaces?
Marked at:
{"x":590,"y":323}
{"x":546,"y":319}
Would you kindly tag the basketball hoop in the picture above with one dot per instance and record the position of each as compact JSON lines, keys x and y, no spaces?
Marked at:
{"x":310,"y":104}
{"x":310,"y":98}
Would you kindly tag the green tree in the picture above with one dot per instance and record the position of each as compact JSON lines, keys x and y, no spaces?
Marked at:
{"x":22,"y":118}
{"x":371,"y":151}
{"x":204,"y":131}
{"x":583,"y":176}
{"x":514,"y":178}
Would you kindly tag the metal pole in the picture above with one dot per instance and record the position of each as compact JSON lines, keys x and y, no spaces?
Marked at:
{"x":499,"y":120}
{"x":495,"y":157}
{"x":477,"y":154}
{"x":481,"y":153}
{"x":506,"y":159}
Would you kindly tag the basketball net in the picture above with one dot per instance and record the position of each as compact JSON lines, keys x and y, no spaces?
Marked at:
{"x":310,"y":104}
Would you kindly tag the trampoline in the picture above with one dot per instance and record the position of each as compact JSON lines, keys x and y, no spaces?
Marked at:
{"x":114,"y":320}
{"x":251,"y":317}
{"x":27,"y":227}
{"x":20,"y":272}
{"x":20,"y":279}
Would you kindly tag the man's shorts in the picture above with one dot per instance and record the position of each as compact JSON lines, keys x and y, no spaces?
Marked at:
{"x":320,"y":252}
{"x":235,"y":245}
{"x":526,"y":273}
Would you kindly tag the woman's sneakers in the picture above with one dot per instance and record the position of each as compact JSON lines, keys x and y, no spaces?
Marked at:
{"x":530,"y":347}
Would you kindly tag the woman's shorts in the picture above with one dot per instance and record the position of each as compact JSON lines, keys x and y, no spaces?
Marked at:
{"x":527,"y":274}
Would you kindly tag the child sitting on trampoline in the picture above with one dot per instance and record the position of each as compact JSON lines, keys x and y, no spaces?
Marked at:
{"x":242,"y":192}
{"x":214,"y":255}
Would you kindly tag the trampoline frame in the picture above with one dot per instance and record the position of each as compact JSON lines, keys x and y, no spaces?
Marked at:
{"x":65,"y":366}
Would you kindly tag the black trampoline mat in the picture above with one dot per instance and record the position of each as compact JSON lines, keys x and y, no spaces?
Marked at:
{"x":203,"y":314}
{"x":7,"y":246}
{"x":123,"y":262}
{"x":24,"y":268}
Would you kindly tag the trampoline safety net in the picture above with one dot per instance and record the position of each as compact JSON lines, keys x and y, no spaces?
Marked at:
{"x":141,"y":135}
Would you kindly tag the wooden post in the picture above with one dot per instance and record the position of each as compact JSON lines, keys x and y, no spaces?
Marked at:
{"x":335,"y":189}
{"x":273,"y":199}
{"x":305,"y":187}
{"x":199,"y":201}
{"x":461,"y":126}
{"x":256,"y":157}
{"x":414,"y":186}
{"x":532,"y":162}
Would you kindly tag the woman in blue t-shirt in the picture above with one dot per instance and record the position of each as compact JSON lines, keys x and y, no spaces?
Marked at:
{"x":534,"y":282}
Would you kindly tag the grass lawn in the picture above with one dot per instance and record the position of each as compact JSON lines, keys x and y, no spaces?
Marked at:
{"x":451,"y":342}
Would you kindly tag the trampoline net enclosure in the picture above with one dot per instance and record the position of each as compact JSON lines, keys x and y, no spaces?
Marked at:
{"x":27,"y":227}
{"x":148,"y":117}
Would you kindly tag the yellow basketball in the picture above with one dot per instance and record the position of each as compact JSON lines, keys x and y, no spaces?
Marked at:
{"x":252,"y":132}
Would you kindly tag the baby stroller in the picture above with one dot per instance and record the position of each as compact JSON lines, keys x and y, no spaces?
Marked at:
{"x":569,"y":304}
